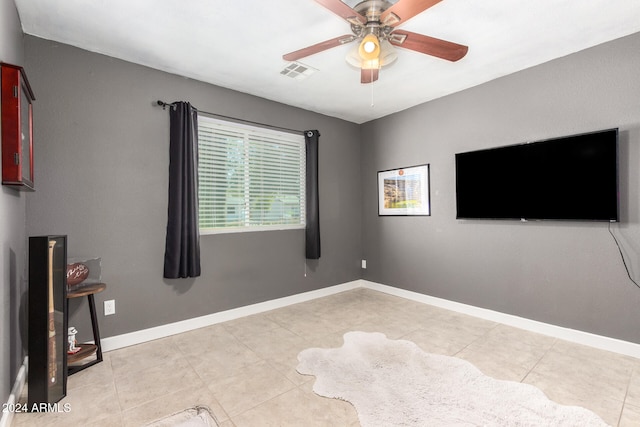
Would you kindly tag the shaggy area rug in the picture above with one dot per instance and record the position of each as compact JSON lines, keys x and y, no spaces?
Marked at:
{"x":395,"y":383}
{"x":198,"y":416}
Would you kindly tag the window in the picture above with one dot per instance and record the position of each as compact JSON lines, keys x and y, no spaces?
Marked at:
{"x":250,"y":178}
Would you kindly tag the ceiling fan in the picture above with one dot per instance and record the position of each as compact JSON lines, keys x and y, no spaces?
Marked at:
{"x":373,"y":23}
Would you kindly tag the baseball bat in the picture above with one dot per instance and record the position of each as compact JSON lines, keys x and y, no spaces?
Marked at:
{"x":53,"y":366}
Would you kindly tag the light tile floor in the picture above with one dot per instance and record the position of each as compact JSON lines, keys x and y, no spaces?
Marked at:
{"x":244,"y":370}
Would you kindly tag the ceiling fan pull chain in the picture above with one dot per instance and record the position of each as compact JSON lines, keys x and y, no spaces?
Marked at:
{"x":372,"y":83}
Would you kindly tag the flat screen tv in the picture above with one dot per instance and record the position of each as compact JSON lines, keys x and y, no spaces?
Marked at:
{"x":569,"y":178}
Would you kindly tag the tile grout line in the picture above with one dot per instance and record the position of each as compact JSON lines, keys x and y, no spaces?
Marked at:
{"x":626,"y":393}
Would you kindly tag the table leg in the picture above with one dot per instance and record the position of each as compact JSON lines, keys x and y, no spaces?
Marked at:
{"x":94,"y":326}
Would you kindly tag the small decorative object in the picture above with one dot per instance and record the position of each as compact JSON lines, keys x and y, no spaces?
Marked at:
{"x":84,"y":271}
{"x":404,"y":191}
{"x":76,"y":273}
{"x":73,"y":343}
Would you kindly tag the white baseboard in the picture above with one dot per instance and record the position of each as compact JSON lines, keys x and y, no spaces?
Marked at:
{"x":572,"y":335}
{"x":580,"y":337}
{"x":137,"y":337}
{"x":18,"y":386}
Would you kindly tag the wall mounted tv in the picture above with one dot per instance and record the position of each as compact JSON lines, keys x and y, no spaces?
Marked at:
{"x":569,"y":178}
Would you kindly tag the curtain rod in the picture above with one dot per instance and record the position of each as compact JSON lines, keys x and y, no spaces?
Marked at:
{"x":164,"y":105}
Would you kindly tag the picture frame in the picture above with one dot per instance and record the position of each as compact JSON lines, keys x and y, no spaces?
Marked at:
{"x":404,"y":191}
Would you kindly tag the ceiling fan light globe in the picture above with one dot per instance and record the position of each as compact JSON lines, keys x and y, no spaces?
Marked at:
{"x":373,"y":64}
{"x":387,"y":56}
{"x":369,"y":47}
{"x":387,"y":53}
{"x":353,"y":58}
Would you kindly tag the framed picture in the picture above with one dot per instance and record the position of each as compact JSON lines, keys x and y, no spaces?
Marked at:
{"x":404,"y":191}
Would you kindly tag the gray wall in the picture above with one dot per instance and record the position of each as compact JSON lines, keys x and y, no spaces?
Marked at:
{"x":568,"y":274}
{"x":101,"y":168}
{"x":12,"y":232}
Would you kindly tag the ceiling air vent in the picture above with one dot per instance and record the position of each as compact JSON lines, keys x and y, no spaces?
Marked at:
{"x":298,"y":71}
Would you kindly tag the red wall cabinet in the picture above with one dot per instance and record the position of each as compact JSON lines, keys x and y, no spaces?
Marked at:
{"x":17,"y":128}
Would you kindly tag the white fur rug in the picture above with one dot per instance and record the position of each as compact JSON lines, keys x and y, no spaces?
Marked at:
{"x":395,"y":383}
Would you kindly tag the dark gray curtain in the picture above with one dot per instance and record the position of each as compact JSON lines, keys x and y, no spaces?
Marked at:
{"x":312,"y":238}
{"x":182,"y":250}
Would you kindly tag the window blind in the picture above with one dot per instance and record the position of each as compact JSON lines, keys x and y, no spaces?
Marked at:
{"x":250,"y":178}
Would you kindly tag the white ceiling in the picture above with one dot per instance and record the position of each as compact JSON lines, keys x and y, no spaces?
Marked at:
{"x":239,"y":44}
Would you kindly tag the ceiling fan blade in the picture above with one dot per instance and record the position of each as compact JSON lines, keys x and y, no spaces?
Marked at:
{"x":369,"y":75}
{"x":428,"y":45}
{"x":405,"y":10}
{"x":319,"y":47}
{"x":343,"y":11}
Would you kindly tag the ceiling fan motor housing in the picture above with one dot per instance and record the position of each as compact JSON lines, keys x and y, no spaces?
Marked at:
{"x":371,"y":10}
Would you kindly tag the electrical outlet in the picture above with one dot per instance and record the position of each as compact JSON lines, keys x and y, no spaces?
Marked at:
{"x":364,"y":263}
{"x":110,"y":307}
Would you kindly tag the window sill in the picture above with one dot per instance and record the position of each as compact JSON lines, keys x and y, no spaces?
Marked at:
{"x":228,"y":230}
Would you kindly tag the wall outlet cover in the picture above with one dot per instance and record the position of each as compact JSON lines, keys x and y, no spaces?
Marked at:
{"x":109,"y":307}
